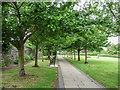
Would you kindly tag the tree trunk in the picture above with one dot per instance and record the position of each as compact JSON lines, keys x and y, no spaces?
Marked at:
{"x":79,"y":54}
{"x":71,"y":54}
{"x":36,"y":55}
{"x":86,"y":54}
{"x":42,"y":53}
{"x":67,"y":53}
{"x":49,"y":54}
{"x":21,"y":60}
{"x":74,"y":55}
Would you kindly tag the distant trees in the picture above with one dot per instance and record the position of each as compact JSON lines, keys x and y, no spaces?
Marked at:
{"x":59,"y":25}
{"x":113,"y":49}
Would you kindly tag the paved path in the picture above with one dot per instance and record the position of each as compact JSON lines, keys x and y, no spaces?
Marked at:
{"x":73,"y":78}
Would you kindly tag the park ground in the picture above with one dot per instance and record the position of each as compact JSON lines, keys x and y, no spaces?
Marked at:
{"x":36,"y":77}
{"x":104,"y":70}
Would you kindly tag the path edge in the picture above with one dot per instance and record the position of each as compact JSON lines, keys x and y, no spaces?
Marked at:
{"x":97,"y":83}
{"x":60,"y":77}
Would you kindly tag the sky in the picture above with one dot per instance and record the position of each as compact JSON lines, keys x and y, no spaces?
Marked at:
{"x":113,"y":40}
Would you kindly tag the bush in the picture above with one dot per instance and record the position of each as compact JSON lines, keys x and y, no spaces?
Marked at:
{"x":15,"y":61}
{"x":6,"y":61}
{"x":31,"y":57}
{"x":108,"y":55}
{"x":45,"y":52}
{"x":91,"y":54}
{"x":118,"y":52}
{"x":26,"y":57}
{"x":2,"y":63}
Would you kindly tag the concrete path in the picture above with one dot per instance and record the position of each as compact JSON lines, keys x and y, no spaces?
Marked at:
{"x":73,"y":78}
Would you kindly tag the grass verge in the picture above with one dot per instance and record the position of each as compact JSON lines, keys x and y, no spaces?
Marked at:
{"x":36,"y":77}
{"x":105,"y":72}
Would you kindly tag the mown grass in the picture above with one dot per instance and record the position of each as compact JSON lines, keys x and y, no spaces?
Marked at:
{"x":105,"y":72}
{"x":36,"y":77}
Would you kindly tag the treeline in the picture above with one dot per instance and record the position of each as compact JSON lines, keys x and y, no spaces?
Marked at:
{"x":56,"y":26}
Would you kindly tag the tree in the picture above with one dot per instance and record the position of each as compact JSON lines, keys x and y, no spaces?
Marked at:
{"x":18,"y":23}
{"x":16,"y":27}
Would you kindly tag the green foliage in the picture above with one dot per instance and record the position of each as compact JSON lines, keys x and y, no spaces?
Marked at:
{"x":118,"y":52}
{"x":6,"y":61}
{"x":45,"y":52}
{"x":5,"y":46}
{"x":28,"y":44}
{"x":91,"y":54}
{"x":15,"y":61}
{"x":31,"y":57}
{"x":59,"y":27}
{"x":108,"y":55}
{"x":103,"y":52}
{"x":27,"y":57}
{"x":2,"y":64}
{"x":113,"y":49}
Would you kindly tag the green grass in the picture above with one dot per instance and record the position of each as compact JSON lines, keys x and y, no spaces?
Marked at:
{"x":36,"y":77}
{"x":107,"y":55}
{"x":105,"y":72}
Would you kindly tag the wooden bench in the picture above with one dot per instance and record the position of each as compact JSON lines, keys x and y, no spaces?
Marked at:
{"x":53,"y":61}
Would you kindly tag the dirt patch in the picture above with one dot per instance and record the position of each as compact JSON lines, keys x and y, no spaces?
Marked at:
{"x":36,"y":67}
{"x":13,"y":66}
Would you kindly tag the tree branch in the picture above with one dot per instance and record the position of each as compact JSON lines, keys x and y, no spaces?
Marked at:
{"x":27,"y":37}
{"x":17,"y":9}
{"x":13,"y":44}
{"x":11,"y":6}
{"x":111,"y":10}
{"x":21,"y":5}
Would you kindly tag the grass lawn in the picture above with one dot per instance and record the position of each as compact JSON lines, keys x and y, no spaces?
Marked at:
{"x":36,"y":77}
{"x":100,"y":58}
{"x":105,"y":72}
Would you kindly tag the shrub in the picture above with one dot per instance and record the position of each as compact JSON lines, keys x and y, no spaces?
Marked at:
{"x":6,"y":61}
{"x":118,"y":52}
{"x":26,"y":57}
{"x":31,"y":57}
{"x":2,"y":63}
{"x":15,"y":61}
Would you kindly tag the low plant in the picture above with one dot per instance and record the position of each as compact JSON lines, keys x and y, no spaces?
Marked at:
{"x":31,"y":56}
{"x":6,"y":61}
{"x":15,"y":61}
{"x":26,"y":57}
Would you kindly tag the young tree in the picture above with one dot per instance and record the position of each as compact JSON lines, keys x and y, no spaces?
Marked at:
{"x":16,"y":27}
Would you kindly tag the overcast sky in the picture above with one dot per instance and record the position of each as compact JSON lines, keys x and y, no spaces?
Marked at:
{"x":113,"y":40}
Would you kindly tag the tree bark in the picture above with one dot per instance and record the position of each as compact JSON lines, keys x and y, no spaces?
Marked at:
{"x":21,"y":60}
{"x":67,"y":53}
{"x":36,"y":56}
{"x":78,"y":53}
{"x":71,"y":54}
{"x":49,"y":54}
{"x":42,"y":52}
{"x":74,"y":55}
{"x":86,"y":54}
